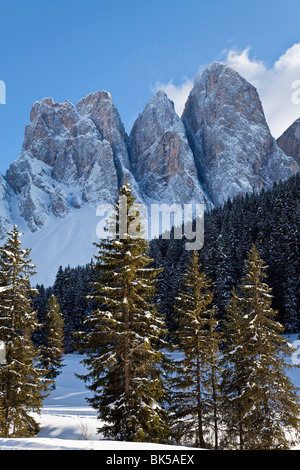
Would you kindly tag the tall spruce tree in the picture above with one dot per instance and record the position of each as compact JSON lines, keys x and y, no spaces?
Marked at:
{"x":195,"y":383}
{"x":235,"y":361}
{"x":39,"y":304}
{"x":21,"y":383}
{"x":122,"y":337}
{"x":52,"y":351}
{"x":260,"y":397}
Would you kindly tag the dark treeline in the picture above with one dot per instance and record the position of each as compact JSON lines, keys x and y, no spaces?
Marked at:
{"x":70,"y":288}
{"x":270,"y":219}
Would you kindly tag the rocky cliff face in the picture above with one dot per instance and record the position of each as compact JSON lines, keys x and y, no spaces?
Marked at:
{"x":65,"y":161}
{"x":5,"y":216}
{"x":233,"y":148}
{"x":78,"y":155}
{"x":161,"y":160}
{"x":289,"y":142}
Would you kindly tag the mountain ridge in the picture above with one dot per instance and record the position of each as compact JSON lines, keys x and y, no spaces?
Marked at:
{"x":75,"y":157}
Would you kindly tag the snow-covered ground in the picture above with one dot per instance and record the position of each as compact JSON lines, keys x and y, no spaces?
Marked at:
{"x":68,"y":423}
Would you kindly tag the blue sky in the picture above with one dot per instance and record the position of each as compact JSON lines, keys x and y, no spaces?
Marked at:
{"x":68,"y":48}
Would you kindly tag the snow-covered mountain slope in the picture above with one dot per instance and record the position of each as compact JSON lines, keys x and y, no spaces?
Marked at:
{"x":67,"y":422}
{"x":62,"y":242}
{"x":75,"y":157}
{"x":65,"y":161}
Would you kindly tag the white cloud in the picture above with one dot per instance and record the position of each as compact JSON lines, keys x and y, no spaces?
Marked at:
{"x":253,"y":70}
{"x":176,"y":93}
{"x":275,"y":84}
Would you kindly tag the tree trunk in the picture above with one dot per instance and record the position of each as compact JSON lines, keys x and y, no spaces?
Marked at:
{"x":199,"y":406}
{"x":214,"y":396}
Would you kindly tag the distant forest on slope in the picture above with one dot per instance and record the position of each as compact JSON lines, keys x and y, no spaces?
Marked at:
{"x":270,"y":219}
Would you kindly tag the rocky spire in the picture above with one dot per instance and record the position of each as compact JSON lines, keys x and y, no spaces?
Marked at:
{"x":76,"y":155}
{"x":65,"y":161}
{"x":233,"y":148}
{"x":161,"y":159}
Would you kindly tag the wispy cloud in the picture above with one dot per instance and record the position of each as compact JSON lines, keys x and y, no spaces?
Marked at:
{"x":274,"y":84}
{"x":176,"y":93}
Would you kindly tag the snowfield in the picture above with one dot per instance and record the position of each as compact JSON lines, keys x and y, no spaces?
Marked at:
{"x":67,"y":422}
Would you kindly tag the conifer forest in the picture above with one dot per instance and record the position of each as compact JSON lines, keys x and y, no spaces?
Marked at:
{"x":180,"y":347}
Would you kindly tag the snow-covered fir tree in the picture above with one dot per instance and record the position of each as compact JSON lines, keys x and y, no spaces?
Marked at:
{"x":122,"y":338}
{"x":70,"y":289}
{"x":52,"y":351}
{"x":39,"y":304}
{"x":195,"y":394}
{"x":261,"y":404}
{"x":21,"y":380}
{"x":235,"y":403}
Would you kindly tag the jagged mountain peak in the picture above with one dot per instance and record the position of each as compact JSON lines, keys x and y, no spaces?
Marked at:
{"x":161,"y":161}
{"x":99,"y":107}
{"x":78,"y":159}
{"x":48,"y":109}
{"x":226,"y":87}
{"x":98,"y":95}
{"x":159,"y":113}
{"x":158,"y":97}
{"x":214,"y":70}
{"x":76,"y":156}
{"x":227,"y":130}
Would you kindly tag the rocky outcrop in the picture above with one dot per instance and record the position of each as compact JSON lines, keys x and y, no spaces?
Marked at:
{"x":289,"y":141}
{"x":5,"y":216}
{"x":71,"y":144}
{"x":233,"y":148}
{"x":99,"y":108}
{"x":65,"y":161}
{"x":30,"y":180}
{"x":161,"y":160}
{"x":78,"y":155}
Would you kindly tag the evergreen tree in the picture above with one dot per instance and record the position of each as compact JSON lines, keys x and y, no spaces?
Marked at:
{"x":21,"y":384}
{"x":171,"y":256}
{"x":70,"y":289}
{"x":235,"y":361}
{"x":260,"y":396}
{"x":195,"y":383}
{"x":52,"y":351}
{"x":270,"y":219}
{"x":39,"y":304}
{"x":223,"y":269}
{"x":122,"y":337}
